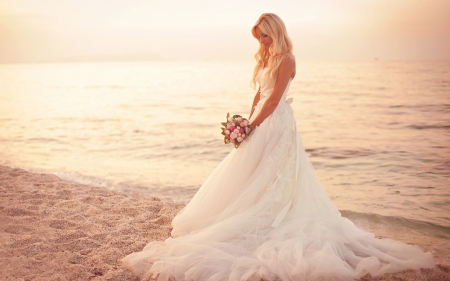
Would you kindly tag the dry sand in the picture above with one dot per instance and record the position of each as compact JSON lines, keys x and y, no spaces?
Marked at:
{"x":53,"y":229}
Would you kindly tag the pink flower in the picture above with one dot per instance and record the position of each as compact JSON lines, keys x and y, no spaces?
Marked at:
{"x":236,"y":130}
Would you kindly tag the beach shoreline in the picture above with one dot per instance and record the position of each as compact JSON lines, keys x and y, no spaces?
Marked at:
{"x":54,"y":229}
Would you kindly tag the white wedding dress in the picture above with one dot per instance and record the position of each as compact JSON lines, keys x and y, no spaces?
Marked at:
{"x":262,"y":214}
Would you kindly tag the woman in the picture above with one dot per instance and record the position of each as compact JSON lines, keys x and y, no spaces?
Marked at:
{"x":262,"y":214}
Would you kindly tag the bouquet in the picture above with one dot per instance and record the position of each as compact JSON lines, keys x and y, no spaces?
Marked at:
{"x":235,"y":130}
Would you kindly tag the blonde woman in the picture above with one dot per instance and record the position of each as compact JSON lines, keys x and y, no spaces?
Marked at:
{"x":262,"y":214}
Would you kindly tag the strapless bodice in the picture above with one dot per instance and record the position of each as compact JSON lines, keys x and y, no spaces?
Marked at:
{"x":266,"y":90}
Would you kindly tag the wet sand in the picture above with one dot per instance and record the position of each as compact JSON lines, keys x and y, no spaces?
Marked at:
{"x":53,"y":229}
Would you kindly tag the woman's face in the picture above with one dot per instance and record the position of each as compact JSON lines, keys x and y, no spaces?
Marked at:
{"x":264,"y":39}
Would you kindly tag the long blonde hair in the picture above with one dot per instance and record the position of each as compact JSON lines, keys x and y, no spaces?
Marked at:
{"x":281,"y":46}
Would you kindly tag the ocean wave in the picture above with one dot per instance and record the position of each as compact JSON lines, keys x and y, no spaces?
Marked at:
{"x":423,"y":107}
{"x":83,"y":179}
{"x":44,"y":140}
{"x":336,"y":153}
{"x":418,"y":105}
{"x":433,"y":229}
{"x":427,"y":127}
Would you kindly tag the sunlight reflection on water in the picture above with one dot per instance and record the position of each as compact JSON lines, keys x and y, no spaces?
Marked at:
{"x":377,"y":132}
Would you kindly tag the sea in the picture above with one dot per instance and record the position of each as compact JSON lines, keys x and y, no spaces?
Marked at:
{"x":377,"y":132}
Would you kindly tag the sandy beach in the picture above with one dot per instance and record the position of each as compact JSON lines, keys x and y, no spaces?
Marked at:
{"x":53,"y":229}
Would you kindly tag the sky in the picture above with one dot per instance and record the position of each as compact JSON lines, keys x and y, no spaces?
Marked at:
{"x":102,"y":30}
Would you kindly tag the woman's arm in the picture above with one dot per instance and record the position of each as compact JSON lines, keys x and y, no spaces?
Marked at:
{"x":255,"y":102}
{"x":285,"y":72}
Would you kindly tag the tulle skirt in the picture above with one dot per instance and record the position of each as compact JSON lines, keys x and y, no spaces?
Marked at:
{"x":263,"y":214}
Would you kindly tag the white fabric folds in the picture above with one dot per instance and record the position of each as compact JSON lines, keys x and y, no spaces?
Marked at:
{"x":262,"y":214}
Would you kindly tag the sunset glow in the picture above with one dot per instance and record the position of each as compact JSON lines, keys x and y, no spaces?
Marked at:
{"x":50,"y":30}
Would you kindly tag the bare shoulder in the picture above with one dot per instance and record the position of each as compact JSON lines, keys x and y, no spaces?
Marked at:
{"x":287,"y":65}
{"x":288,"y":62}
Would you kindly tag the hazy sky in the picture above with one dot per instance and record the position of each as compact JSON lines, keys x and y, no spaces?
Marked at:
{"x":61,"y":30}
